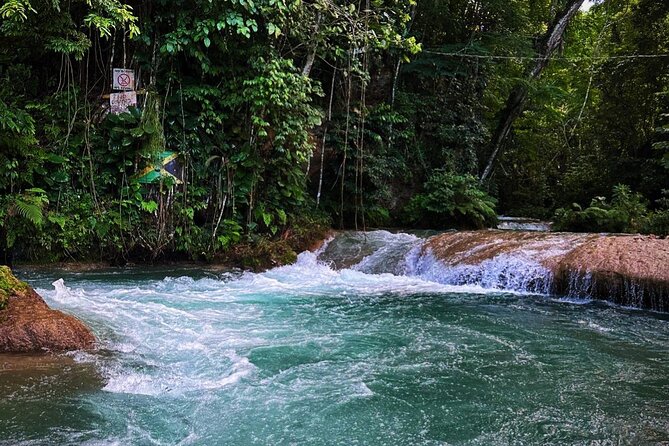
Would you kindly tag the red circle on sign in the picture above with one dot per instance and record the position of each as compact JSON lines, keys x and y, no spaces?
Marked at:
{"x":123,"y":80}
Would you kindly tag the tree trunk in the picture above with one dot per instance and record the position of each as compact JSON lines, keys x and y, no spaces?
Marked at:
{"x":516,"y":101}
{"x":309,"y":63}
{"x":311,"y":57}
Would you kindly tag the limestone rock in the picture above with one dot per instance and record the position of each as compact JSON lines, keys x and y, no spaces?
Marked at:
{"x":626,"y":269}
{"x":27,"y":324}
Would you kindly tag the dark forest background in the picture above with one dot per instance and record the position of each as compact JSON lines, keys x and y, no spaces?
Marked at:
{"x":291,"y":116}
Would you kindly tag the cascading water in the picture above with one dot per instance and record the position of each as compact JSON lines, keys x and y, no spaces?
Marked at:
{"x":522,"y":224}
{"x":373,"y":252}
{"x":510,"y":272}
{"x":490,"y":261}
{"x":370,"y":341}
{"x":404,"y":254}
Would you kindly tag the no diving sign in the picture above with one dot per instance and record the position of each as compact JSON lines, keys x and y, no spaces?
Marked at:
{"x":124,"y":79}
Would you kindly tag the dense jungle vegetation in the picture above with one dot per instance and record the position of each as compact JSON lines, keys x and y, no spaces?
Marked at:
{"x":290,"y":116}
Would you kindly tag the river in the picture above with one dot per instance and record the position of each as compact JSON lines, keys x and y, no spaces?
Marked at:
{"x":349,"y":346}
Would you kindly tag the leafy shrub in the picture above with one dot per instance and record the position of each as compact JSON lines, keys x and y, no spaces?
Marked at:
{"x":307,"y":229}
{"x":658,"y":221}
{"x":20,"y":216}
{"x":593,"y":219}
{"x":627,"y":212}
{"x":452,"y":200}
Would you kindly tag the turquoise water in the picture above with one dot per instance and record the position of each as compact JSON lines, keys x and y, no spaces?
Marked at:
{"x":306,"y":354}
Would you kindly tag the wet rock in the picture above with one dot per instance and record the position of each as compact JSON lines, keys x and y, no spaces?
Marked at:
{"x":474,"y":247}
{"x":626,"y":269}
{"x":631,"y":270}
{"x":27,"y":324}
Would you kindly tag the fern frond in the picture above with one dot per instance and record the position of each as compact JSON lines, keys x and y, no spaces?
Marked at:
{"x":29,"y":211}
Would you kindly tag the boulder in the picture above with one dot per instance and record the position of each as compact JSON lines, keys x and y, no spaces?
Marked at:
{"x":28,"y":325}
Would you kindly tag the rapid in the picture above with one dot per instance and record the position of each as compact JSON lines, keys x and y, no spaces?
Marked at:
{"x":369,"y":341}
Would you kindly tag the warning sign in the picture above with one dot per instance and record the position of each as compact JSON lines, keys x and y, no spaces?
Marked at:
{"x":119,"y":102}
{"x":124,"y":79}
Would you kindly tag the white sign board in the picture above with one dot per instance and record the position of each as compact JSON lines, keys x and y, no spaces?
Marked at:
{"x":119,"y":102}
{"x":123,"y":79}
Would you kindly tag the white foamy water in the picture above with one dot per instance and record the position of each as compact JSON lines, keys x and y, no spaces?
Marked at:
{"x":155,"y":325}
{"x":180,"y":335}
{"x":391,"y":347}
{"x":404,"y":255}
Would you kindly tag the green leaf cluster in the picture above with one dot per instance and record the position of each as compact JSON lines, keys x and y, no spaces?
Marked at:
{"x":452,"y":201}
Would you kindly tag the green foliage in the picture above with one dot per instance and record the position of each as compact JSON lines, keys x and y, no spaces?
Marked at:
{"x":56,"y":26}
{"x":30,"y":206}
{"x":280,"y":113}
{"x":627,"y":212}
{"x":658,"y":223}
{"x":596,"y":116}
{"x":16,"y":9}
{"x":595,"y":218}
{"x":451,"y":201}
{"x":231,"y":233}
{"x":251,"y":94}
{"x":306,"y":229}
{"x":20,"y":215}
{"x":9,"y":285}
{"x":263,"y":254}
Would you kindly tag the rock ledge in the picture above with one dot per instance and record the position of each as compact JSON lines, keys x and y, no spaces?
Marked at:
{"x":626,"y":269}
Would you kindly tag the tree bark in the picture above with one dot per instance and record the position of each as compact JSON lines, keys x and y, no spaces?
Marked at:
{"x":308,"y":65}
{"x":514,"y":104}
{"x":311,"y":57}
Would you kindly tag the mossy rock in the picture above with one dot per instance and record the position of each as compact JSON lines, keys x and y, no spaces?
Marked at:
{"x":28,"y":325}
{"x":9,"y":285}
{"x":260,"y":255}
{"x":269,"y":254}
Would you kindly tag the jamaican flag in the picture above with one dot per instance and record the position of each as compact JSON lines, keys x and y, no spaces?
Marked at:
{"x":166,"y":166}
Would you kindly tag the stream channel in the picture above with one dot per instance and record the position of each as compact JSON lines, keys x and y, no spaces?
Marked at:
{"x":361,"y":343}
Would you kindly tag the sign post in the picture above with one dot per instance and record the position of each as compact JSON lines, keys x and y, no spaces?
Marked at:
{"x":123,"y":80}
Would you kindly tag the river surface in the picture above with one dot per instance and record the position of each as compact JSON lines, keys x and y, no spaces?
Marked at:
{"x":322,"y":354}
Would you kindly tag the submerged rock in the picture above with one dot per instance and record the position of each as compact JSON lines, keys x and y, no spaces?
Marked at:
{"x":626,"y":269}
{"x":27,"y":324}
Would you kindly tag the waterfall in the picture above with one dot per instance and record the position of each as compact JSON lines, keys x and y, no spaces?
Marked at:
{"x":525,"y":262}
{"x":511,"y":272}
{"x":404,"y":254}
